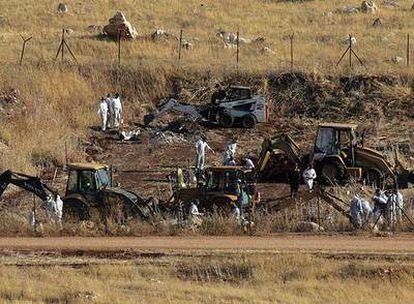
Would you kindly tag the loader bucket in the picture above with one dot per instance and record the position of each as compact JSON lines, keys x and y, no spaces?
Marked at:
{"x":148,"y":119}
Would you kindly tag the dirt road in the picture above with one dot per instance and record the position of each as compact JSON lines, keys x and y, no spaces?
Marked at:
{"x":292,"y":243}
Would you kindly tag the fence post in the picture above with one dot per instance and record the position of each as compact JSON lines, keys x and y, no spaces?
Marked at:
{"x":34,"y":213}
{"x":408,"y":49}
{"x":119,"y":48}
{"x":180,"y":47}
{"x":350,"y":50}
{"x":63,"y":43}
{"x":61,"y":48}
{"x":23,"y":48}
{"x":237,"y":54}
{"x":291,"y":50}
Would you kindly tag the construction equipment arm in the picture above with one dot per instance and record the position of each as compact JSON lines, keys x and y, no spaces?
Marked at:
{"x":172,"y":105}
{"x":26,"y":182}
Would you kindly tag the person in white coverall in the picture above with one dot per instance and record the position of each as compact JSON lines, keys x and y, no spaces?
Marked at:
{"x":309,"y":175}
{"x":201,"y":146}
{"x":103,"y":113}
{"x":194,"y":215}
{"x":230,"y":152}
{"x":395,"y":204}
{"x":117,"y":108}
{"x":361,"y":211}
{"x":231,"y":147}
{"x":109,"y":102}
{"x":248,"y":164}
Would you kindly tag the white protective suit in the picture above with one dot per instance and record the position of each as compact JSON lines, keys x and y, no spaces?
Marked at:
{"x":117,"y":108}
{"x":249,"y":164}
{"x":395,"y":204}
{"x":54,"y":208}
{"x":309,"y":176}
{"x":231,"y":163}
{"x":194,"y":215}
{"x":231,"y":147}
{"x":59,"y":208}
{"x":380,"y":199}
{"x":361,"y":211}
{"x":103,"y":113}
{"x":201,"y":146}
{"x":109,"y":102}
{"x":229,"y":153}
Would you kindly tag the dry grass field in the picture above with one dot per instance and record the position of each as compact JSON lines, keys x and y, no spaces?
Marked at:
{"x":242,"y":277}
{"x":319,"y":35}
{"x":57,"y":103}
{"x":56,"y":108}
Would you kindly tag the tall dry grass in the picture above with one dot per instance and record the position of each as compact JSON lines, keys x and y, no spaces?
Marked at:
{"x":59,"y":102}
{"x":235,"y":278}
{"x":318,"y":38}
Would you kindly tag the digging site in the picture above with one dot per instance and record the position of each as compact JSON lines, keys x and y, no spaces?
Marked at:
{"x":153,"y":185}
{"x":206,"y":152}
{"x":345,"y":128}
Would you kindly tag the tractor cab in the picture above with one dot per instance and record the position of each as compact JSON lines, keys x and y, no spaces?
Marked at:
{"x":238,"y":93}
{"x":86,"y":180}
{"x":336,"y":140}
{"x":338,"y":157}
{"x":222,"y":188}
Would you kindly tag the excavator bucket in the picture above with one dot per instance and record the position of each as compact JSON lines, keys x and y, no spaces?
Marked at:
{"x":148,"y":118}
{"x":277,"y":158}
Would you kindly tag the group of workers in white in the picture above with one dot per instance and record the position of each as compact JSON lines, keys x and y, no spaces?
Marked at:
{"x":229,"y":154}
{"x":229,"y":160}
{"x":110,"y":112}
{"x":388,"y":207}
{"x":54,"y":212}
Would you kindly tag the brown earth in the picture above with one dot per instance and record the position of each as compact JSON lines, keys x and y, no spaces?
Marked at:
{"x":403,"y":244}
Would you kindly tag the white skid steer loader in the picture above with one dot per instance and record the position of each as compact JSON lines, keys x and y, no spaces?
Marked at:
{"x":238,"y":106}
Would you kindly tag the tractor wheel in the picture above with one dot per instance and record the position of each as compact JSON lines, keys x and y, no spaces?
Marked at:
{"x":226,"y":120}
{"x":248,"y":121}
{"x":332,"y":172}
{"x":374,"y":177}
{"x":74,"y":210}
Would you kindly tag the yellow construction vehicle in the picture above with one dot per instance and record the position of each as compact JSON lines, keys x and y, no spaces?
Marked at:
{"x":223,"y":188}
{"x":88,"y":189}
{"x":338,"y":157}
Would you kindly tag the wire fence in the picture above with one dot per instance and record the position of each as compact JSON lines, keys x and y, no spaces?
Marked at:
{"x":291,"y":52}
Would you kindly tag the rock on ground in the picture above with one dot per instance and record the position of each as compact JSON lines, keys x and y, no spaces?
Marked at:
{"x":62,"y":8}
{"x":2,"y":20}
{"x":167,"y":137}
{"x":267,"y":51}
{"x":368,"y":7}
{"x":160,"y":34}
{"x":351,"y":39}
{"x":377,"y":22}
{"x":397,"y":59}
{"x":309,"y":227}
{"x":10,"y":96}
{"x":94,"y":28}
{"x":390,"y":3}
{"x":118,"y":24}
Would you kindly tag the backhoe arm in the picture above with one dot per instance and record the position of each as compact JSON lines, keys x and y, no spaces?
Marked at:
{"x":26,"y":182}
{"x":172,"y":105}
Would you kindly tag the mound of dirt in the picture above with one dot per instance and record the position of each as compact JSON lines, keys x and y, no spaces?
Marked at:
{"x":306,"y":95}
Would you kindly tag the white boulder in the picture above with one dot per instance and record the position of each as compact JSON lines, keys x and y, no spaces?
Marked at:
{"x":368,"y":7}
{"x":62,"y":8}
{"x":119,"y":25}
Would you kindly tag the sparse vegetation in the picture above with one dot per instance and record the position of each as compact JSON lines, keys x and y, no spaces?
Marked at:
{"x":58,"y":102}
{"x":237,"y":278}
